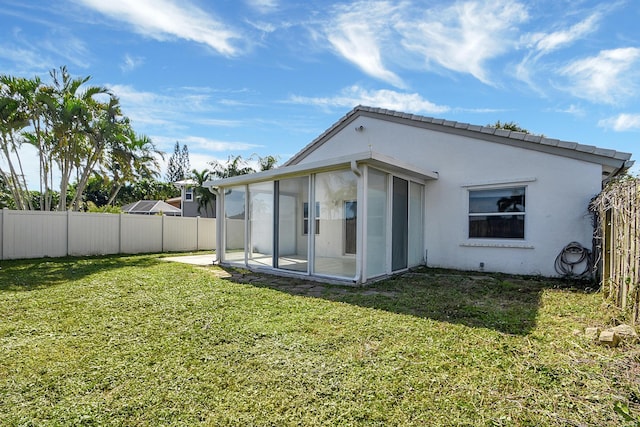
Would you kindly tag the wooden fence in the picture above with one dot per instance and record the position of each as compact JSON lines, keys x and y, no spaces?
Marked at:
{"x":618,"y":212}
{"x":35,"y":234}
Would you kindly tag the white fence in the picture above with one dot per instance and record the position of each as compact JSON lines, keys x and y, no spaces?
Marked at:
{"x":35,"y":234}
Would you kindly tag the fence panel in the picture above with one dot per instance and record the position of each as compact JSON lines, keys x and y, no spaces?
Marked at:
{"x":180,"y":234}
{"x":33,"y":234}
{"x":206,"y":233}
{"x":140,"y":234}
{"x":618,"y":209}
{"x":93,"y":233}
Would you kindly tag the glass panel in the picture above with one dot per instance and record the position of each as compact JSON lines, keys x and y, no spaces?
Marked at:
{"x":492,"y":203}
{"x":292,"y":238}
{"x":497,"y":226}
{"x":332,"y":190}
{"x":376,"y":223}
{"x":399,"y":224}
{"x":416,"y":224}
{"x":261,"y":224}
{"x":497,"y":200}
{"x":234,"y":208}
{"x":305,"y":216}
{"x":350,"y":229}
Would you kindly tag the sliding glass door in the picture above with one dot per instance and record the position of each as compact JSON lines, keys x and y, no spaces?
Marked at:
{"x":234,"y":217}
{"x":260,"y":224}
{"x":399,"y":224}
{"x":294,"y":224}
{"x":336,"y":239}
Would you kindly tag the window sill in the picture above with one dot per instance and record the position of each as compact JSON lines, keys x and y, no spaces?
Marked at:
{"x":507,"y":245}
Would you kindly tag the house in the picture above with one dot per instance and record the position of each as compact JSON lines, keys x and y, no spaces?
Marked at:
{"x":176,"y":202}
{"x":382,"y":191}
{"x":189,"y":203}
{"x":151,"y":207}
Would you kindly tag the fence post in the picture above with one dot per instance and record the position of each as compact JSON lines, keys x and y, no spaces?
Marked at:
{"x":3,"y":234}
{"x":120,"y":233}
{"x":162,"y":234}
{"x":198,"y":233}
{"x":68,"y":231}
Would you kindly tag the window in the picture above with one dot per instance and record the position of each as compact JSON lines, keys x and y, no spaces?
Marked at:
{"x":188,"y":195}
{"x":497,"y":213}
{"x":350,"y":224}
{"x":305,"y":218}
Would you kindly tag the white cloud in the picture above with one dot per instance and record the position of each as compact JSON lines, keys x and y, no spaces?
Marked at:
{"x":572,"y":109}
{"x":130,"y":63}
{"x":609,"y":77}
{"x":548,"y":42}
{"x":207,"y":144}
{"x":392,"y":100}
{"x":172,"y":111}
{"x":70,"y":48}
{"x":219,"y":122}
{"x":202,"y":150}
{"x":463,"y":37}
{"x":622,"y":122}
{"x":542,"y":44}
{"x":165,"y":19}
{"x":36,"y":55}
{"x":357,"y":32}
{"x":263,"y":6}
{"x":25,"y":58}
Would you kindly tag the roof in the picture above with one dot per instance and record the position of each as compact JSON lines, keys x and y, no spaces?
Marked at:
{"x":185,"y":183}
{"x":612,"y":161}
{"x":349,"y":161}
{"x":151,"y":207}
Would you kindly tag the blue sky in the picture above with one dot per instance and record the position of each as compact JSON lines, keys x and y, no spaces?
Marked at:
{"x":268,"y":76}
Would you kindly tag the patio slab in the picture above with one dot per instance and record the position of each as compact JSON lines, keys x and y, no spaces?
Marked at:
{"x":206,"y":259}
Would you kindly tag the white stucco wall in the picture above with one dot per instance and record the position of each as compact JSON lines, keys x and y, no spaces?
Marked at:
{"x":558,"y":193}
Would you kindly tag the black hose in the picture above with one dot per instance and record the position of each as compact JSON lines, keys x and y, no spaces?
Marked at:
{"x":574,"y":261}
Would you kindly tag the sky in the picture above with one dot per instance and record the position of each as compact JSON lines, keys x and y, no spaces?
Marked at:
{"x":266,"y":77}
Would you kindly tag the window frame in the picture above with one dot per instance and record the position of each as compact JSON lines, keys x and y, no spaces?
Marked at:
{"x":305,"y":218}
{"x":488,"y":214}
{"x":348,"y":206}
{"x":188,"y":194}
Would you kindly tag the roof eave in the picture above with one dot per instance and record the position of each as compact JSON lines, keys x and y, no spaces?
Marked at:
{"x":372,"y":158}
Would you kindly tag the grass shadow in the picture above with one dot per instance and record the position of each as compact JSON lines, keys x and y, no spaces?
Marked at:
{"x":508,"y":304}
{"x":32,"y":274}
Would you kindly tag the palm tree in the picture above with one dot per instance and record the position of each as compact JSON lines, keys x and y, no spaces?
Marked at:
{"x":13,"y":119}
{"x":205,"y":198}
{"x":268,"y":162}
{"x":76,"y":119}
{"x":235,"y":166}
{"x":131,"y":159}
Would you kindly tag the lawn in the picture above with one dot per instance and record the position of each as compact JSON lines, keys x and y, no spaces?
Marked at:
{"x":139,"y":341}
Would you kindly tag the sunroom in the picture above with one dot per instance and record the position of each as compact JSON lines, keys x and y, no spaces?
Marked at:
{"x":349,"y":220}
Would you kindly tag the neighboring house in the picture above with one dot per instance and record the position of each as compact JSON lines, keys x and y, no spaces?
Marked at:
{"x":151,"y":207}
{"x":188,"y":202}
{"x":176,"y":202}
{"x":382,"y":191}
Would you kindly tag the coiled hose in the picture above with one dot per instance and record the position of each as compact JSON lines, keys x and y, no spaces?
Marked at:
{"x":574,"y":261}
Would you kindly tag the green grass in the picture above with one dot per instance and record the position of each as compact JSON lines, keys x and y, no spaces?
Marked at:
{"x":138,"y":341}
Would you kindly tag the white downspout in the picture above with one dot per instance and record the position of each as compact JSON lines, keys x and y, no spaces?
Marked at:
{"x":354,"y":169}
